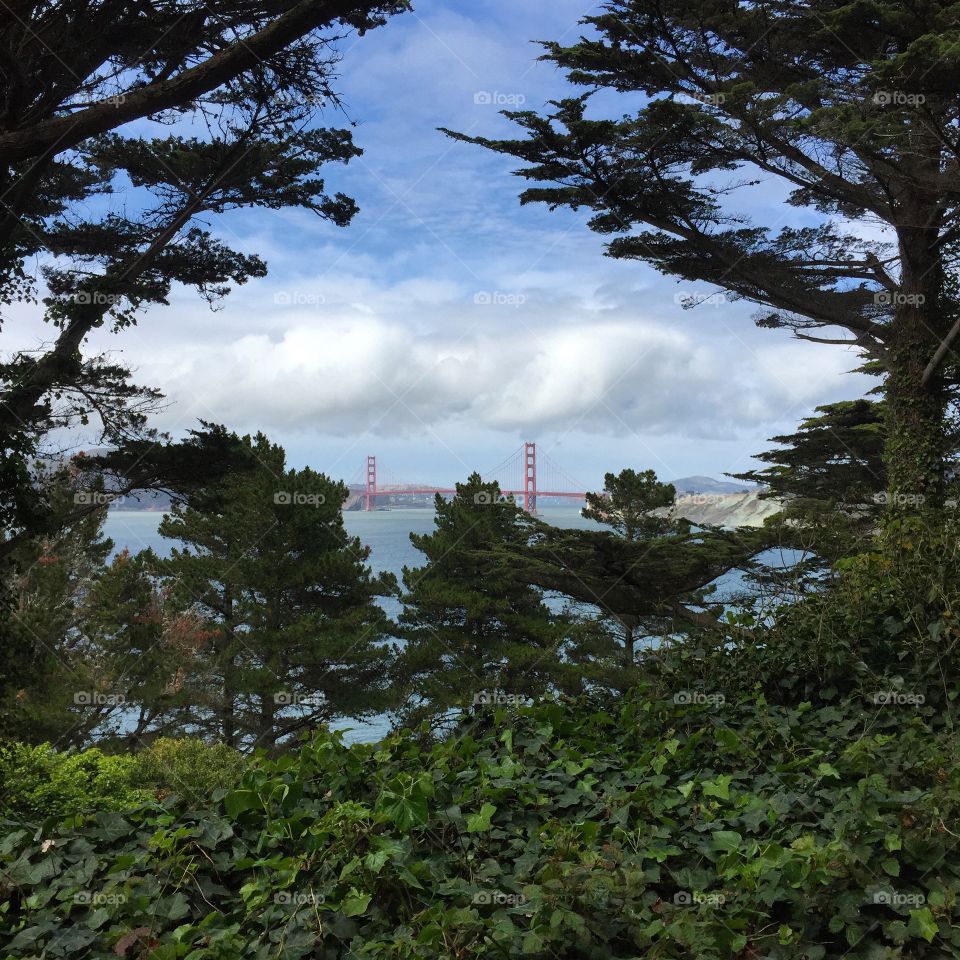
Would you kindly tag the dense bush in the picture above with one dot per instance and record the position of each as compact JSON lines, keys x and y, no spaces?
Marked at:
{"x":698,"y":828}
{"x":890,"y":619}
{"x":191,"y":768}
{"x":40,"y":781}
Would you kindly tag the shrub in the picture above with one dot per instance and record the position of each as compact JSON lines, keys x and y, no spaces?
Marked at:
{"x":40,"y":782}
{"x":188,"y":767}
{"x":689,"y":829}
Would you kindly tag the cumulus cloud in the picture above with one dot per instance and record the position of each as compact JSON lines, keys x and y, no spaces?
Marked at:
{"x":358,"y":368}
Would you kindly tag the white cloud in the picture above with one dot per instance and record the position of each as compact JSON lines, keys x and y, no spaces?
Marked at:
{"x":408,"y":360}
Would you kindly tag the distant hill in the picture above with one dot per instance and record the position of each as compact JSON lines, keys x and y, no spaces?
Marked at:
{"x":686,"y":485}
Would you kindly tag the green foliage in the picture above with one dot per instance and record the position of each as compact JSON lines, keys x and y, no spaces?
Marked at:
{"x":470,"y":625}
{"x":835,"y":458}
{"x":191,"y":768}
{"x":567,"y":830}
{"x":293,"y":633}
{"x":628,"y":504}
{"x":40,"y":782}
{"x":42,"y":599}
{"x":883,"y":624}
{"x":676,"y":108}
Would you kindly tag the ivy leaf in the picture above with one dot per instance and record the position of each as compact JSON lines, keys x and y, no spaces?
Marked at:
{"x":717,"y":788}
{"x":726,"y":839}
{"x":922,"y":924}
{"x":355,"y":903}
{"x":480,"y":822}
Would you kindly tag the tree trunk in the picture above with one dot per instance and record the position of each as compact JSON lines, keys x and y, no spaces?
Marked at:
{"x":915,"y":444}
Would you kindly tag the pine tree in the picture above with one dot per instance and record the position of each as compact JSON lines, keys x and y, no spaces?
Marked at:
{"x":852,"y":108}
{"x":650,"y":574}
{"x":297,"y":637}
{"x":472,"y":630}
{"x":46,"y":587}
{"x":834,"y":459}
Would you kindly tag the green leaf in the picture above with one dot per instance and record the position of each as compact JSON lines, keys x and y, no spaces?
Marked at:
{"x":726,"y":839}
{"x":717,"y":788}
{"x":480,"y":822}
{"x":355,"y":903}
{"x":922,"y":924}
{"x":237,"y":801}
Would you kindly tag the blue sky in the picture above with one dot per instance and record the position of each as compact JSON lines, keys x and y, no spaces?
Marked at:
{"x":447,"y":324}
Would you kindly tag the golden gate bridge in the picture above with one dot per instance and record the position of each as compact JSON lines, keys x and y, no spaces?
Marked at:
{"x":525,"y":475}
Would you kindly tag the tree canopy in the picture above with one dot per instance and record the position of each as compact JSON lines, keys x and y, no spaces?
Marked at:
{"x":851,"y":110}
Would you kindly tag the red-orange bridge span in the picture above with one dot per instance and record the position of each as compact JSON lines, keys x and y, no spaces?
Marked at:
{"x":538,"y":477}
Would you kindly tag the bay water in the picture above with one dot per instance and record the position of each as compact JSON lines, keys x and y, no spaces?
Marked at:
{"x":386,"y":532}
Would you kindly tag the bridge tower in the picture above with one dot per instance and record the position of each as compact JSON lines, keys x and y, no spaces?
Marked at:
{"x":371,"y":494}
{"x":530,"y":478}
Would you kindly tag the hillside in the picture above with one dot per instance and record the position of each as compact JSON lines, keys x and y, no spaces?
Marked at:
{"x":726,"y":509}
